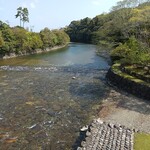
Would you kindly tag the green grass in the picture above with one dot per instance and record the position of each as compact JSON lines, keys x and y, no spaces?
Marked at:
{"x":117,"y":70}
{"x":141,"y":141}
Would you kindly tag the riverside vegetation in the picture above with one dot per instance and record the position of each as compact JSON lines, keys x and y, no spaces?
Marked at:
{"x":19,"y":41}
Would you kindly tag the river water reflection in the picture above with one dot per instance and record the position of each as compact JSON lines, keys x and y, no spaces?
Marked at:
{"x":41,"y":105}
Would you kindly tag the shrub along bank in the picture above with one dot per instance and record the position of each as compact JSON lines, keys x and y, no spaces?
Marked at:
{"x":19,"y":41}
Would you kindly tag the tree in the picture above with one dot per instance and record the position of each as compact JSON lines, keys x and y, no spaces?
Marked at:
{"x":61,"y":37}
{"x":19,"y":14}
{"x":79,"y":30}
{"x":20,"y":37}
{"x":1,"y":40}
{"x":128,"y":4}
{"x":23,"y":14}
{"x":48,"y":37}
{"x":32,"y":42}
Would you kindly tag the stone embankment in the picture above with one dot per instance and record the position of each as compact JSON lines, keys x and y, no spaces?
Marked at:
{"x":107,"y":136}
{"x":129,"y":84}
{"x":37,"y":51}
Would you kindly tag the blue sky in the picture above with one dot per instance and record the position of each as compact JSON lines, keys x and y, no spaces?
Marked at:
{"x":53,"y":13}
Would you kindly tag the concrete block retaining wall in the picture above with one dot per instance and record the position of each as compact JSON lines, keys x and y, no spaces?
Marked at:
{"x":135,"y":88}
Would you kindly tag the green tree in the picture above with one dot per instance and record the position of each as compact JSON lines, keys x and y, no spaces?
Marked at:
{"x":8,"y":38}
{"x":79,"y":31}
{"x":131,"y":52}
{"x":23,"y":15}
{"x":20,"y":37}
{"x":48,"y":37}
{"x":1,"y":40}
{"x":32,"y":42}
{"x":62,"y":37}
{"x":19,"y":14}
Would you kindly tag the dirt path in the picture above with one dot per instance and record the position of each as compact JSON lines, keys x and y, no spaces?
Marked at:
{"x":120,"y":108}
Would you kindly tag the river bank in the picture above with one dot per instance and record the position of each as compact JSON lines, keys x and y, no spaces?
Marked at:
{"x":37,"y":51}
{"x":131,"y":84}
{"x":122,"y":108}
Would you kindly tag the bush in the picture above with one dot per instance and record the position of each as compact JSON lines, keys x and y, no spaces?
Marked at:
{"x":131,"y":52}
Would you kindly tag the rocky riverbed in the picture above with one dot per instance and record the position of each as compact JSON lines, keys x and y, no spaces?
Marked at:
{"x":44,"y":107}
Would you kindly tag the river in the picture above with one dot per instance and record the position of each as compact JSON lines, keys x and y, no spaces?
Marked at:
{"x":46,"y":98}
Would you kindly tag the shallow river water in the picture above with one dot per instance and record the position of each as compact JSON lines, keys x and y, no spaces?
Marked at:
{"x":46,"y":98}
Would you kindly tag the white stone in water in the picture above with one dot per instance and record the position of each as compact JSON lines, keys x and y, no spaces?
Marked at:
{"x":37,"y":68}
{"x":47,"y":122}
{"x":88,"y":133}
{"x":32,"y":126}
{"x":85,"y":128}
{"x":73,"y":77}
{"x":99,"y":121}
{"x":111,"y":125}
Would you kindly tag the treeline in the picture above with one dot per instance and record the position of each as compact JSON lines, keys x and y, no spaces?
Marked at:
{"x":126,"y":28}
{"x":20,"y":41}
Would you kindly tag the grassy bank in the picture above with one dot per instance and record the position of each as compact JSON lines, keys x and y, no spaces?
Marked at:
{"x":117,"y":69}
{"x":142,"y":141}
{"x":127,"y":82}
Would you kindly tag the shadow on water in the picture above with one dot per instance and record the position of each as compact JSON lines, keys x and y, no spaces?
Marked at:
{"x":78,"y":141}
{"x":88,"y":91}
{"x":88,"y":87}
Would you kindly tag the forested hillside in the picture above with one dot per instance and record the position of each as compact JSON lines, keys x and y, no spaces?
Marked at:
{"x":126,"y":29}
{"x":124,"y":21}
{"x":20,"y":41}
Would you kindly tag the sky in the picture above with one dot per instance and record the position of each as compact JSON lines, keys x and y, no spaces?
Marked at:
{"x":53,"y":14}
